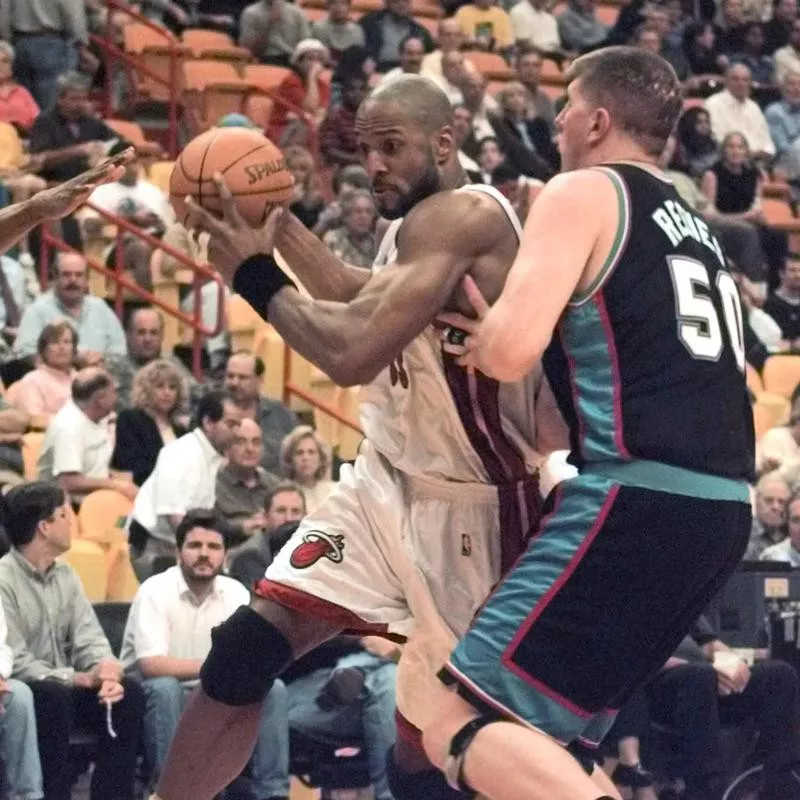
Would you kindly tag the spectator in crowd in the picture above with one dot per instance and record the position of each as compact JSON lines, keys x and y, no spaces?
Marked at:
{"x":731,"y":28}
{"x":657,"y":19}
{"x":76,"y":452}
{"x":778,"y":31}
{"x":49,"y":40}
{"x":789,"y":549}
{"x":412,"y":50}
{"x":579,"y":28}
{"x":213,"y":299}
{"x":783,"y":305}
{"x":535,"y":25}
{"x":481,"y":106}
{"x":13,"y":425}
{"x":99,"y":331}
{"x":345,"y":181}
{"x":337,"y":133}
{"x":272,"y":29}
{"x":779,"y":448}
{"x":354,"y":241}
{"x":13,"y":301}
{"x":243,"y":484}
{"x":703,"y":55}
{"x":450,"y":39}
{"x":168,"y":636}
{"x":705,"y":684}
{"x":184,"y":477}
{"x":463,"y":135}
{"x":307,"y":203}
{"x":769,"y":520}
{"x":337,"y":31}
{"x":284,"y":504}
{"x":60,"y":650}
{"x":17,"y":105}
{"x":44,"y":391}
{"x":152,"y":421}
{"x":354,"y":61}
{"x":19,"y":749}
{"x":243,"y":376}
{"x":449,"y":80}
{"x":528,"y":68}
{"x":386,"y":29}
{"x":783,"y":118}
{"x":490,"y":156}
{"x":144,"y":337}
{"x":697,"y":149}
{"x":67,"y":138}
{"x":305,"y":89}
{"x":752,"y":55}
{"x":486,"y":26}
{"x":732,"y":111}
{"x":306,"y":460}
{"x":787,"y":59}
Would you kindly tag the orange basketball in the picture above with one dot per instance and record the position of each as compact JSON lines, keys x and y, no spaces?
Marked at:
{"x":253,"y":167}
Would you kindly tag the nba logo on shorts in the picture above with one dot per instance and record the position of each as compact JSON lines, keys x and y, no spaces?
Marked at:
{"x":466,"y":544}
{"x":317,"y":545}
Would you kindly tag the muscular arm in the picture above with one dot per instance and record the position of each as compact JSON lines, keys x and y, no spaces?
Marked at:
{"x":17,"y":220}
{"x":321,"y":273}
{"x":439,"y":242}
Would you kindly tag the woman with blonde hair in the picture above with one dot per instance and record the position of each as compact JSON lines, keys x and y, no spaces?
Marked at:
{"x":157,"y":396}
{"x":306,"y":460}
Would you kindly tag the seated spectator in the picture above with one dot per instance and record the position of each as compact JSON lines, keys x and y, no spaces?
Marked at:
{"x":13,"y":301}
{"x":779,"y":447}
{"x":19,"y":750}
{"x":705,"y":684}
{"x":731,"y":29}
{"x":354,"y":242}
{"x":535,"y":25}
{"x":137,"y":201}
{"x":168,"y":636}
{"x":769,"y":519}
{"x":144,"y":337}
{"x":243,"y":484}
{"x":787,"y":59}
{"x":783,"y":305}
{"x":76,"y":452}
{"x":486,"y":26}
{"x":306,"y":460}
{"x":345,"y":181}
{"x":67,"y":139}
{"x":13,"y":425}
{"x":142,"y":430}
{"x":783,"y":118}
{"x":490,"y":156}
{"x":272,"y":29}
{"x":411,"y":52}
{"x":703,"y":54}
{"x":17,"y":105}
{"x":732,"y":111}
{"x":337,"y":31}
{"x":789,"y":549}
{"x":518,"y":189}
{"x":184,"y":477}
{"x":243,"y":376}
{"x":354,"y":61}
{"x":61,"y":652}
{"x":338,"y":142}
{"x":44,"y":391}
{"x":307,"y":203}
{"x":481,"y":105}
{"x":284,"y":504}
{"x":463,"y":135}
{"x":752,"y":55}
{"x":697,"y":149}
{"x":579,"y":28}
{"x":449,"y":80}
{"x":657,"y":18}
{"x":99,"y":331}
{"x":778,"y":30}
{"x":528,"y":67}
{"x":449,"y":39}
{"x":306,"y":90}
{"x":385,"y":29}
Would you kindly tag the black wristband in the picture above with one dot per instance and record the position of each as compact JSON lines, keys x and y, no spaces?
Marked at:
{"x":258,"y":280}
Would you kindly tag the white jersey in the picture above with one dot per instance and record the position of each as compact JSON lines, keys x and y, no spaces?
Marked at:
{"x":429,"y":418}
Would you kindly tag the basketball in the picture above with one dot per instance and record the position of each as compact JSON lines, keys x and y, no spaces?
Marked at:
{"x":252,"y":166}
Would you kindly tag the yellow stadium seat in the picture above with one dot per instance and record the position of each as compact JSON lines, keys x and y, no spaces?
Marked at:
{"x":762,"y":420}
{"x":350,"y":440}
{"x":270,"y":347}
{"x":159,"y":173}
{"x":781,"y":374}
{"x":754,"y":382}
{"x":776,"y":406}
{"x":12,"y":153}
{"x":89,"y":561}
{"x":243,"y":323}
{"x":102,"y":514}
{"x":31,"y":447}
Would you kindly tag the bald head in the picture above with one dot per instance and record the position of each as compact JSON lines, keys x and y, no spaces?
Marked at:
{"x":417,"y":100}
{"x":145,"y":335}
{"x":739,"y":81}
{"x":247,"y":448}
{"x":94,"y":391}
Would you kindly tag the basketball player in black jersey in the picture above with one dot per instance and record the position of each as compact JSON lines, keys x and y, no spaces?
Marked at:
{"x":625,"y":293}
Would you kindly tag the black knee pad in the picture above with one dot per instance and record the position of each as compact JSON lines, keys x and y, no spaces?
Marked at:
{"x":247,"y":654}
{"x":429,"y":784}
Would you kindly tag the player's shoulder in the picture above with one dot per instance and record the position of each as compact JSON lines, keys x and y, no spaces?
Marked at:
{"x":455,"y":212}
{"x":576,"y":183}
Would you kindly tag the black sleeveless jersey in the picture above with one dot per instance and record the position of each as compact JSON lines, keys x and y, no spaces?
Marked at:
{"x":649,"y":362}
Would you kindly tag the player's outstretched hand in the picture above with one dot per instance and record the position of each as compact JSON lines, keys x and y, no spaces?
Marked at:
{"x":232,"y":240}
{"x":462,"y":336}
{"x":63,"y":199}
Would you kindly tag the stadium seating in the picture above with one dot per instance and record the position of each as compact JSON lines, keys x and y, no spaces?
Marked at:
{"x":781,"y":374}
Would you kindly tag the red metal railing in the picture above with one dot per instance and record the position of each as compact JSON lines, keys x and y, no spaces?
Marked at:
{"x":201,"y":274}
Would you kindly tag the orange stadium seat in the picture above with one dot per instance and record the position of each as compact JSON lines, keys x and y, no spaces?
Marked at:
{"x":31,"y":447}
{"x":776,"y":408}
{"x":762,"y":420}
{"x":219,"y":88}
{"x":264,"y":76}
{"x":239,"y":57}
{"x":781,"y":374}
{"x":200,"y":73}
{"x":365,"y":6}
{"x":777,"y":189}
{"x":159,"y":173}
{"x":552,"y":73}
{"x":136,"y":37}
{"x":199,"y":39}
{"x":754,"y":382}
{"x":607,"y":14}
{"x":492,"y":65}
{"x":431,"y":24}
{"x":132,"y":132}
{"x":158,"y":58}
{"x":315,"y":14}
{"x":779,"y":215}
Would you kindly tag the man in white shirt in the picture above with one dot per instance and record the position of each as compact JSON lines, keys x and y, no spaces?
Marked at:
{"x":789,"y":549}
{"x":78,"y":445}
{"x":450,"y":39}
{"x":452,"y":75}
{"x":787,"y":59}
{"x":732,"y":111}
{"x":534,"y":24}
{"x":412,"y":50}
{"x":168,"y":636}
{"x":184,"y":477}
{"x":19,"y":749}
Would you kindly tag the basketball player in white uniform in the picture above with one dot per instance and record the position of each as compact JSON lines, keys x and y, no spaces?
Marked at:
{"x":444,"y":490}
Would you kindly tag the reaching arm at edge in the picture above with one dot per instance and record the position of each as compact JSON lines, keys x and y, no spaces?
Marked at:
{"x":17,"y":220}
{"x":547,"y":271}
{"x":353,"y":342}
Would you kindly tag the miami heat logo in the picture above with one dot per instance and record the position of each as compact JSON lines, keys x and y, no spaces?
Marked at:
{"x":317,"y":545}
